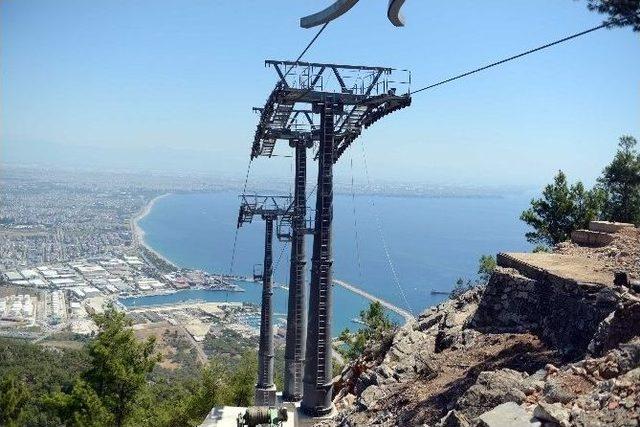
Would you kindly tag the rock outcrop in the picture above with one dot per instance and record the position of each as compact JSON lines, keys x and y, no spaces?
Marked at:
{"x":550,"y":340}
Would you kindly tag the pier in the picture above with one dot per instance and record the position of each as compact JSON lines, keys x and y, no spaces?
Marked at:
{"x":404,"y":313}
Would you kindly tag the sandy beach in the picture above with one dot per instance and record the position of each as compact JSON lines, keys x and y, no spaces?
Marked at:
{"x":138,"y":232}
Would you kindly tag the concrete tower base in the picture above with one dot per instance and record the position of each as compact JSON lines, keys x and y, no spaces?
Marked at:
{"x":265,"y":396}
{"x":304,"y":420}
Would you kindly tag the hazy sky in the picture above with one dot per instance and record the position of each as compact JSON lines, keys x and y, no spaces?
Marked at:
{"x":169,"y":85}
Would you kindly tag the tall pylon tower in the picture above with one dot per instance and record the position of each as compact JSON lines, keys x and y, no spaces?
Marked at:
{"x":328,"y":105}
{"x":296,"y":126}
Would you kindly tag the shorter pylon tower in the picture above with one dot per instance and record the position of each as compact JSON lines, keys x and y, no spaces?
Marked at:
{"x":269,"y":208}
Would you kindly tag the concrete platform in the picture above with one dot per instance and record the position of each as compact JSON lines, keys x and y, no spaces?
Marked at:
{"x":608,"y":227}
{"x":591,"y":238}
{"x":226,"y":416}
{"x":576,"y":268}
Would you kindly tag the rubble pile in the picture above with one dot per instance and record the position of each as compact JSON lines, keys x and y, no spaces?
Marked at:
{"x":622,"y":254}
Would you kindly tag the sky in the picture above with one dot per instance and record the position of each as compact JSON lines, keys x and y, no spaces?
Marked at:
{"x":168,"y":85}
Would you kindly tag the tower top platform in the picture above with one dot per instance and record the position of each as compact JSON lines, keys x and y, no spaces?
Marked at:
{"x":365,"y":94}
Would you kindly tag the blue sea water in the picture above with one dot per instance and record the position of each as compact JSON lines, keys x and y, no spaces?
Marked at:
{"x":431,"y":241}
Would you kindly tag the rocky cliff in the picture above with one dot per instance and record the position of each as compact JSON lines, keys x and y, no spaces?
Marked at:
{"x":552,"y":339}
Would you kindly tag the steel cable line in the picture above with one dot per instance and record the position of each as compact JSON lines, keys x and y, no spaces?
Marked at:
{"x":300,"y":57}
{"x":451,"y":79}
{"x":355,"y":217}
{"x":284,"y":246}
{"x":511,"y":58}
{"x":235,"y":237}
{"x":273,"y":271}
{"x":313,"y":40}
{"x":394,"y":272}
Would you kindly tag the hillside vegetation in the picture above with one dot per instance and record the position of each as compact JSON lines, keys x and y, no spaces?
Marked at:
{"x":114,"y":380}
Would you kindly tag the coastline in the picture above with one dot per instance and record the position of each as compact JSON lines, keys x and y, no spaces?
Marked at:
{"x":138,"y":237}
{"x":138,"y":232}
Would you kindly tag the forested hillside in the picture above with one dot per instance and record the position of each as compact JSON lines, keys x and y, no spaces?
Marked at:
{"x":115,"y":379}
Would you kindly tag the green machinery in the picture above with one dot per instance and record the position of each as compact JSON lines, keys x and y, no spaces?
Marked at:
{"x":263,"y":416}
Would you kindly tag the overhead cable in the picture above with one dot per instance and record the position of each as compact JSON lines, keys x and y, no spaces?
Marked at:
{"x":511,"y":58}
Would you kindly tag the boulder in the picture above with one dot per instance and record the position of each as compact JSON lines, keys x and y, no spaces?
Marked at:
{"x":555,"y":391}
{"x":365,"y":380}
{"x":491,"y":389}
{"x":620,"y":326}
{"x":370,"y":396}
{"x":534,"y":382}
{"x":427,"y":322}
{"x":553,"y":413}
{"x":507,"y":415}
{"x":454,"y":419}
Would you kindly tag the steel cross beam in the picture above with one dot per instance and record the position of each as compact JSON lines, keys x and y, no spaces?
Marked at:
{"x":367,"y":92}
{"x":269,"y":208}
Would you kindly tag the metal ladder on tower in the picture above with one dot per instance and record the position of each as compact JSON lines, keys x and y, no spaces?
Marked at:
{"x":300,"y":344}
{"x":325,"y":266}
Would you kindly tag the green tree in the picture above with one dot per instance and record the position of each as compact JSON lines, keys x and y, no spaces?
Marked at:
{"x":621,"y":181}
{"x":119,"y":363}
{"x":13,"y":397}
{"x":80,"y":408}
{"x":486,"y":265}
{"x":622,"y":12}
{"x":60,"y":390}
{"x":243,"y":379}
{"x":211,"y":389}
{"x":375,"y":324}
{"x":376,"y":320}
{"x":108,"y":391}
{"x":561,"y":210}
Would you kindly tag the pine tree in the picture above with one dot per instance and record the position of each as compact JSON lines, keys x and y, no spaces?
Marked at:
{"x":375,"y":324}
{"x":108,"y":392}
{"x":622,"y":13}
{"x":561,"y":210}
{"x":486,"y":265}
{"x":13,"y":396}
{"x":119,"y":364}
{"x":621,"y":181}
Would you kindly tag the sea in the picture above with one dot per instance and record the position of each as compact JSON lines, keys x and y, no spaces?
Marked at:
{"x":399,"y":248}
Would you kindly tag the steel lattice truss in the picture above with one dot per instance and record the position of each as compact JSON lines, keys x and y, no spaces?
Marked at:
{"x":262,"y":206}
{"x":366,"y":94}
